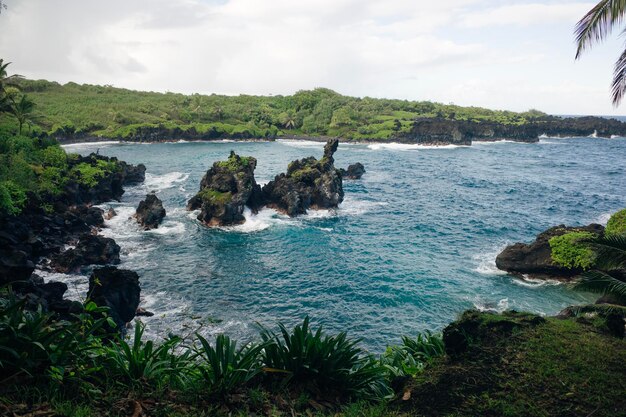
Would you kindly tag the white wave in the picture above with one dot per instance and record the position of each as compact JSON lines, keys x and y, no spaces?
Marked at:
{"x":353,"y":207}
{"x":162,"y":182}
{"x":594,"y":134}
{"x":264,"y":219}
{"x":301,"y":143}
{"x":169,"y":228}
{"x":603,"y":218}
{"x":615,"y":136}
{"x":487,"y":262}
{"x":529,"y":282}
{"x":498,"y":307}
{"x":492,"y":142}
{"x":393,"y":146}
{"x":90,"y":144}
{"x":77,"y":285}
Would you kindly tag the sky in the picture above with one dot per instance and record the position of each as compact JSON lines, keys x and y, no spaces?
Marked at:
{"x":500,"y":54}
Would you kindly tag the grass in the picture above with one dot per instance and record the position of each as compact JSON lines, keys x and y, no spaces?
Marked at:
{"x":212,"y":196}
{"x":555,"y":368}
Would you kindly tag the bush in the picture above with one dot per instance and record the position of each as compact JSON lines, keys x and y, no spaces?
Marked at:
{"x":323,"y":363}
{"x":12,"y":198}
{"x":570,"y":251}
{"x":224,"y":367}
{"x":411,"y":357}
{"x":616,"y":224}
{"x":143,"y":362}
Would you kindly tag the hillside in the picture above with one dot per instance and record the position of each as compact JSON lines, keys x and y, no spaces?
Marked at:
{"x":114,"y":112}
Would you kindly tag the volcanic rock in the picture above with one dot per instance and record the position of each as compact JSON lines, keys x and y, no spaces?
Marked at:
{"x":307,"y":184}
{"x":225,"y":190}
{"x":150,"y":212}
{"x":354,"y":171}
{"x":536,"y":258}
{"x":117,"y":289}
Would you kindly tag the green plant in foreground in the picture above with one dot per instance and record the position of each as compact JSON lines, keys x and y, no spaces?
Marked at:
{"x":323,"y":363}
{"x":570,"y":251}
{"x":144,"y":362}
{"x":224,"y":367}
{"x":410,"y":358}
{"x":609,"y":274}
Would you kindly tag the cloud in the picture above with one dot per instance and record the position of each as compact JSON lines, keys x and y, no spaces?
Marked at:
{"x":526,"y":14}
{"x":414,"y":49}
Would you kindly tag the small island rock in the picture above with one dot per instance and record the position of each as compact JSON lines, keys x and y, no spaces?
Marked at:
{"x":536,"y":258}
{"x":225,"y":190}
{"x":354,"y":171}
{"x":308,"y":183}
{"x":150,"y":212}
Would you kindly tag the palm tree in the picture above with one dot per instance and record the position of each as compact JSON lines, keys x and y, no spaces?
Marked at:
{"x":5,"y":78}
{"x":594,"y":27}
{"x":609,"y":275}
{"x":22,"y":109}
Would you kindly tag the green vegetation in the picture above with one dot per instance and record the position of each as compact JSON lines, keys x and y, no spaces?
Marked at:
{"x":519,"y":366}
{"x":608,"y":276}
{"x":616,"y":224}
{"x":66,"y":360}
{"x":73,"y":110}
{"x":215,"y":197}
{"x":234,"y":162}
{"x":571,"y":251}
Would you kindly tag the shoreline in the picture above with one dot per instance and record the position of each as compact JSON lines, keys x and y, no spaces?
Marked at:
{"x":320,"y":139}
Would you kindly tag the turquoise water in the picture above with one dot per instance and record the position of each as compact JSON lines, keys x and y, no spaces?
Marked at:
{"x":411,"y":247}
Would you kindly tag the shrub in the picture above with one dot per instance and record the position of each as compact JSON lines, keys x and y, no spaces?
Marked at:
{"x":143,"y":362}
{"x":321,"y":362}
{"x":616,"y":224}
{"x":410,"y":358}
{"x":12,"y":197}
{"x":224,"y":367}
{"x":570,"y":251}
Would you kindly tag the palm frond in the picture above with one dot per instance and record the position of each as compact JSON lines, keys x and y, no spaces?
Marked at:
{"x":610,"y":251}
{"x":603,"y":309}
{"x":598,"y":23}
{"x":618,"y":86}
{"x":601,"y":282}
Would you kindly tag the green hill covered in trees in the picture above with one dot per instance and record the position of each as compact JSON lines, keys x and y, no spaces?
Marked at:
{"x":89,"y":110}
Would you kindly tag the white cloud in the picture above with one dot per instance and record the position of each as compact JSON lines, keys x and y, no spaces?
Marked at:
{"x":526,"y":14}
{"x":414,"y":49}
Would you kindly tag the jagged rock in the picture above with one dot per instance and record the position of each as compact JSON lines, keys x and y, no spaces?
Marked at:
{"x":110,"y":213}
{"x":354,"y":171}
{"x":150,"y":212}
{"x":14,"y":265}
{"x":90,"y":250}
{"x":536,"y":258}
{"x":91,"y":216}
{"x":308,"y":183}
{"x":117,"y":289}
{"x":225,"y":190}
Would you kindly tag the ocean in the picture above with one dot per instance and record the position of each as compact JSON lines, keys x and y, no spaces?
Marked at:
{"x":412,"y":245}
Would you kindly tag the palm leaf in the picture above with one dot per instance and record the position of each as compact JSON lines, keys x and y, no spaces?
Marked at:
{"x":597,"y":24}
{"x":601,"y":282}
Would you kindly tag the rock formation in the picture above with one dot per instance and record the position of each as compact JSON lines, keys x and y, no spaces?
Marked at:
{"x":225,"y":190}
{"x":536,"y":258}
{"x":117,"y":289}
{"x":150,"y":212}
{"x":308,"y":183}
{"x":354,"y":171}
{"x":90,"y":250}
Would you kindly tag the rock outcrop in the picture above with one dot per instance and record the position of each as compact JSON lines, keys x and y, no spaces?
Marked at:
{"x":90,"y":250}
{"x":308,"y":183}
{"x":150,"y":212}
{"x":117,"y":289}
{"x":354,"y":171}
{"x":536,"y":258}
{"x":225,"y":190}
